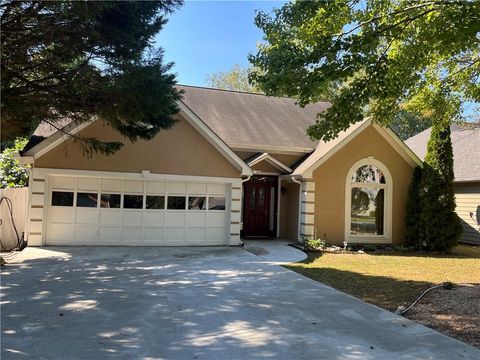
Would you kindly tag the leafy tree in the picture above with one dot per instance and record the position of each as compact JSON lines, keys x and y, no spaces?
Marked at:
{"x":234,"y":79}
{"x":381,"y":57}
{"x":414,"y":234}
{"x":12,"y":174}
{"x":79,"y":60}
{"x":441,"y":225}
{"x":405,"y":124}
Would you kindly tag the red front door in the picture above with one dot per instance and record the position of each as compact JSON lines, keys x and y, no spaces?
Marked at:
{"x":257,"y":218}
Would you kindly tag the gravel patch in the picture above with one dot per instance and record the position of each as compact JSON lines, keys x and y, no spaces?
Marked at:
{"x":455,"y":312}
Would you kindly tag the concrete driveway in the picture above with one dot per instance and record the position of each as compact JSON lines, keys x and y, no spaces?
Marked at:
{"x":195,"y":303}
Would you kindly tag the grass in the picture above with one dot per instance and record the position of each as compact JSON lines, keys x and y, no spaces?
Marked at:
{"x":391,"y":280}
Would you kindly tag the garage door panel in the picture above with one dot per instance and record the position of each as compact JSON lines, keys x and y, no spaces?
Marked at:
{"x":86,"y":216}
{"x":217,"y":189}
{"x":112,"y":185}
{"x":61,"y":214}
{"x":88,"y":184}
{"x":60,"y":232}
{"x":86,"y":235}
{"x":134,"y":186}
{"x":159,"y":221}
{"x":196,"y":218}
{"x":153,"y":235}
{"x":110,"y":235}
{"x":197,"y":189}
{"x":132,"y":217}
{"x":195,"y":234}
{"x":63,"y":182}
{"x":132,"y":234}
{"x":175,"y":218}
{"x":153,"y":218}
{"x":111,"y":217}
{"x":177,"y":188}
{"x":155,"y":187}
{"x":175,"y":234}
{"x":216,"y":219}
{"x":215,"y":234}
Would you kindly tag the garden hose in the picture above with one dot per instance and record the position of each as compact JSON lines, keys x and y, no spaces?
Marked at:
{"x":446,"y":285}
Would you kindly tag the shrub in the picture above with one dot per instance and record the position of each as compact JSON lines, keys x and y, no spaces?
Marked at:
{"x":369,"y":248}
{"x":315,"y":244}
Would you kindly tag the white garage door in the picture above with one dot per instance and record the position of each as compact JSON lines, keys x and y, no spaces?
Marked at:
{"x":91,"y":211}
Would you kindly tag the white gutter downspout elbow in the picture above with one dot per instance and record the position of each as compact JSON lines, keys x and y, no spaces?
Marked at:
{"x":299,"y":239}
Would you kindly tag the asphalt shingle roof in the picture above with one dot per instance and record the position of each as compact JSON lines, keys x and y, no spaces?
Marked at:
{"x":241,"y":119}
{"x":255,"y":120}
{"x":466,"y":150}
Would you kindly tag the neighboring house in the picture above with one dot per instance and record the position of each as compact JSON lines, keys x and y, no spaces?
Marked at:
{"x":234,"y":165}
{"x":466,"y":165}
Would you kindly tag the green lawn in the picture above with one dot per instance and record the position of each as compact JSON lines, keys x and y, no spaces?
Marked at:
{"x":391,"y":280}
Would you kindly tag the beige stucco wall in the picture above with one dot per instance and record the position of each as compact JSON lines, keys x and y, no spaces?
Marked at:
{"x":330,"y":180}
{"x":181,"y":150}
{"x":467,"y":197}
{"x":265,"y":166}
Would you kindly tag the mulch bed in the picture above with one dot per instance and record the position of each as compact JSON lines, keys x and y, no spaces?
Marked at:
{"x":455,"y":312}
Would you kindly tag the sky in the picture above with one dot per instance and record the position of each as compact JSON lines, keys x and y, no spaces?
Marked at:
{"x":204,"y":37}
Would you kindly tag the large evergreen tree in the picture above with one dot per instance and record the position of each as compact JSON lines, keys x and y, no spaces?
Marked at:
{"x":414,"y":233}
{"x":440,"y":224}
{"x":80,"y":60}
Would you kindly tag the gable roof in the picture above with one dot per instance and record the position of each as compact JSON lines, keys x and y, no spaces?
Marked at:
{"x":325,"y":150}
{"x":53,"y":137}
{"x":466,"y":150}
{"x":247,"y":121}
{"x":259,"y":157}
{"x":244,"y":121}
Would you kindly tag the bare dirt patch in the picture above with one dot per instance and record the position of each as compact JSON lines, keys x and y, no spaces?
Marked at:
{"x":455,"y":312}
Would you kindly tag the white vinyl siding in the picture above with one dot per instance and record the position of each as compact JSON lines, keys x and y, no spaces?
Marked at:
{"x":467,"y":198}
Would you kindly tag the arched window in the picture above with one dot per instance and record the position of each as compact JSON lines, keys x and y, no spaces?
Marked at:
{"x":368,"y":202}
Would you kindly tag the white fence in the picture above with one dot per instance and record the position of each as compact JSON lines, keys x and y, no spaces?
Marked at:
{"x":19,"y":201}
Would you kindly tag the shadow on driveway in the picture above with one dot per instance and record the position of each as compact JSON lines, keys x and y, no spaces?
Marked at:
{"x":193,"y":303}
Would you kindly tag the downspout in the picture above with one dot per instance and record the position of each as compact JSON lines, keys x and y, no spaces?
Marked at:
{"x":299,"y":239}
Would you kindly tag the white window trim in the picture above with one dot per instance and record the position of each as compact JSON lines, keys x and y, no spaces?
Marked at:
{"x":388,"y":206}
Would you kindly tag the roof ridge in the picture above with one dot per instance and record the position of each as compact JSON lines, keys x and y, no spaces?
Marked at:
{"x":243,"y":92}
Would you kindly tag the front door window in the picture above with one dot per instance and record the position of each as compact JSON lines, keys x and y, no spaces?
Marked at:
{"x":259,"y":209}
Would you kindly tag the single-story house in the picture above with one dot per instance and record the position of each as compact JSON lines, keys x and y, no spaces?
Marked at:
{"x":234,"y":165}
{"x":466,"y":167}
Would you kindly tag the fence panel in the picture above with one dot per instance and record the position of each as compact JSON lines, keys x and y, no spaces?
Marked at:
{"x":19,"y":200}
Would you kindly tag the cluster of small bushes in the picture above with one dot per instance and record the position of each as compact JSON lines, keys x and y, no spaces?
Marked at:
{"x":320,"y":245}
